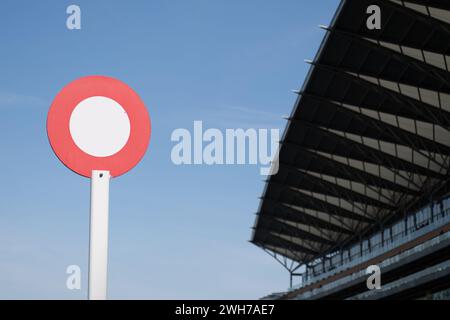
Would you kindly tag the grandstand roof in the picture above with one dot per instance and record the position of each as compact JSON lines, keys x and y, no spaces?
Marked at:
{"x":368,"y":139}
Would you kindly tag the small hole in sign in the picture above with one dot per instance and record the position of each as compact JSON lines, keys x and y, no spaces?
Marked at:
{"x":101,"y":175}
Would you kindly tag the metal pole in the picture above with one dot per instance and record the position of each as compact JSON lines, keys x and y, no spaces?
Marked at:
{"x":98,"y":241}
{"x":290,"y":282}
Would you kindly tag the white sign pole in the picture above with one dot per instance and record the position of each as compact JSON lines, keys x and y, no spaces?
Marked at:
{"x":78,"y":113}
{"x":98,"y":241}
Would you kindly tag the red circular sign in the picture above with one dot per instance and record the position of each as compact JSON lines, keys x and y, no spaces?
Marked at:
{"x":108,"y":93}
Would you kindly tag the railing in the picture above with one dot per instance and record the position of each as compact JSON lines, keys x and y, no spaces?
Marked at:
{"x":376,"y":249}
{"x":362,"y":273}
{"x":404,"y":281}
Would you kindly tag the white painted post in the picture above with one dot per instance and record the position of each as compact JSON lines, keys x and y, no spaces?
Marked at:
{"x":98,"y":241}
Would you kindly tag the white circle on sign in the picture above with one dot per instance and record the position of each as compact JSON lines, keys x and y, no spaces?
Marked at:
{"x":99,"y":126}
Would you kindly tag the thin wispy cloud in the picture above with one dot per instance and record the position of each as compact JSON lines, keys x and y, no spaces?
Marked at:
{"x":8,"y":99}
{"x":244,"y":117}
{"x":253,"y":112}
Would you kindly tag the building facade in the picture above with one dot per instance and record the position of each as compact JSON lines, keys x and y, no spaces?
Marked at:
{"x":364,"y":160}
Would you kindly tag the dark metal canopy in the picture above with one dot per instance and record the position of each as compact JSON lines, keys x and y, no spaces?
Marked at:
{"x":368,"y":139}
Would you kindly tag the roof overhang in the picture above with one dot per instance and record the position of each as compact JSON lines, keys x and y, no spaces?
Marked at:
{"x":368,"y":139}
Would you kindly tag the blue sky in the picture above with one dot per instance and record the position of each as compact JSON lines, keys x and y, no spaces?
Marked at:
{"x":176,"y":232}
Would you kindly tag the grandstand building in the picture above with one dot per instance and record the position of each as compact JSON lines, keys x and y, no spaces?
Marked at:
{"x":364,"y":160}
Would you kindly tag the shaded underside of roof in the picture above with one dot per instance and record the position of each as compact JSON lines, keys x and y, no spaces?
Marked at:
{"x":369,"y":136}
